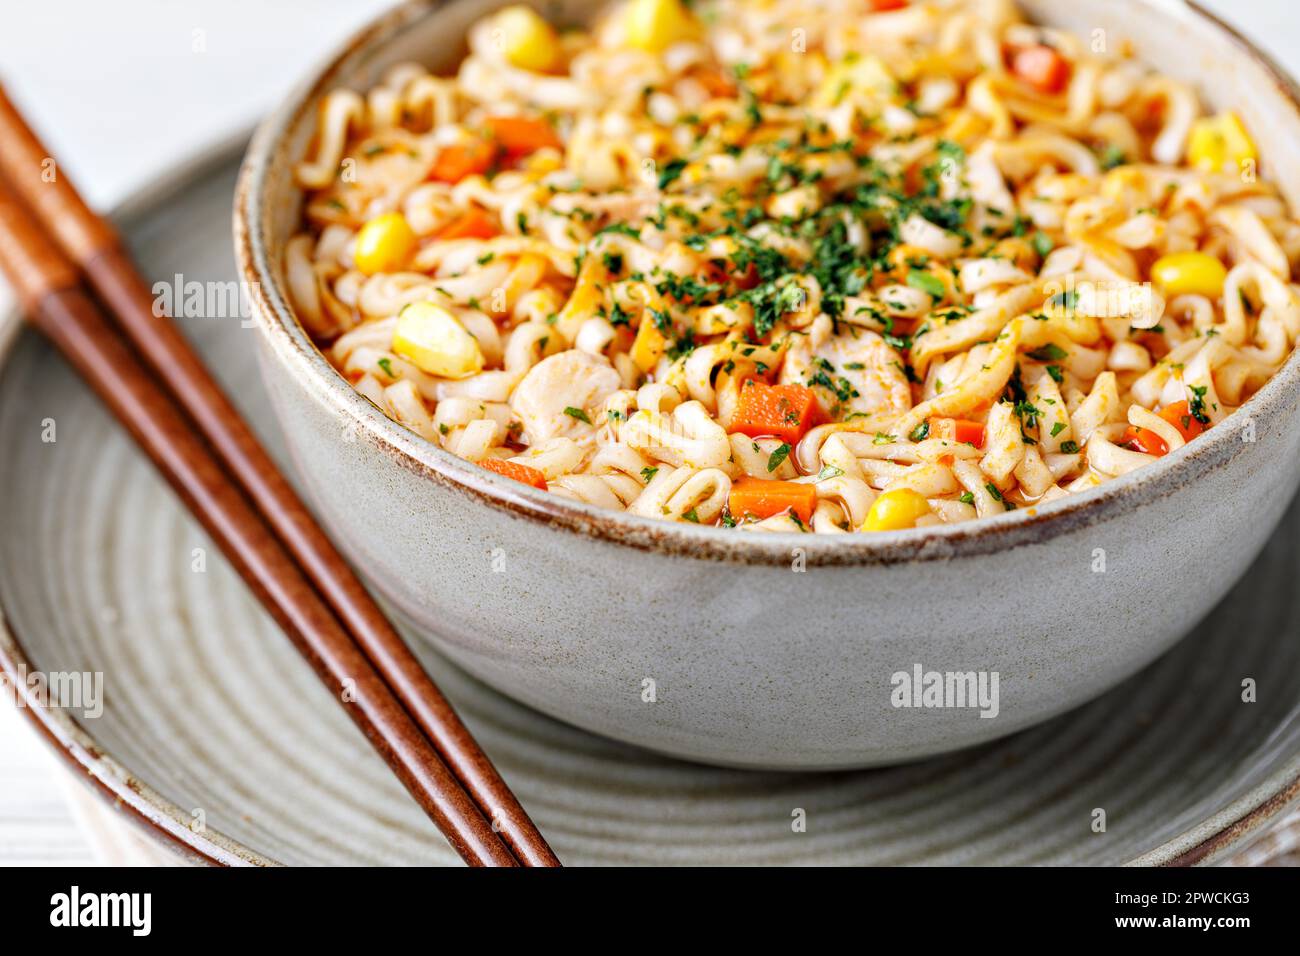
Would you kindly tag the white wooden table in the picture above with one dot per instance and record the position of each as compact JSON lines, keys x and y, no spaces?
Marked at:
{"x":125,"y":89}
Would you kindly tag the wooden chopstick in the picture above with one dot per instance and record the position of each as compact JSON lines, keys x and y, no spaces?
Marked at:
{"x":93,"y":244}
{"x":49,"y":292}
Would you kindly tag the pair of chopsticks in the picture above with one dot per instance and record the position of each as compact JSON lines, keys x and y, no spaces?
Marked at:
{"x":153,"y":382}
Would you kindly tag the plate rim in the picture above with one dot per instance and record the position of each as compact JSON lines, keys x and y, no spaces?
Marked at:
{"x":1231,"y":827}
{"x":144,"y":807}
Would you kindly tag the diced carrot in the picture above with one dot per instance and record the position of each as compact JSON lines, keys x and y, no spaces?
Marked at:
{"x":1144,"y":440}
{"x":1179,"y":414}
{"x":716,"y":80}
{"x":519,"y":135}
{"x":881,"y":6}
{"x":760,"y":498}
{"x":512,"y":469}
{"x":958,"y":430}
{"x":1041,"y":67}
{"x":781,"y":411}
{"x":475,"y":224}
{"x":748,"y":278}
{"x":459,"y":160}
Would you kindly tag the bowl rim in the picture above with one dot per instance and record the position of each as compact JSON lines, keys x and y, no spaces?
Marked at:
{"x":293,"y":348}
{"x":149,"y":812}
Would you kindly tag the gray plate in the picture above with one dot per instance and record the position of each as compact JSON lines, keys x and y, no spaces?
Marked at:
{"x":218,"y":739}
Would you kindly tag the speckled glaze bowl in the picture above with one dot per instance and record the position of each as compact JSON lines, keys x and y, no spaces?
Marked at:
{"x":775,"y":651}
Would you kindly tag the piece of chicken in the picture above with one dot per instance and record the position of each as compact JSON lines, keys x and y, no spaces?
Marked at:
{"x":855,"y":371}
{"x":559,"y":392}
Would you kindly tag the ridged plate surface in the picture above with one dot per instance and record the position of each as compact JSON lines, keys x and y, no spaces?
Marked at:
{"x":207,"y":707}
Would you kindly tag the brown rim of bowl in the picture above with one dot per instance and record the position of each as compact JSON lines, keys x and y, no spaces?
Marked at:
{"x":295,"y":349}
{"x":153,"y":814}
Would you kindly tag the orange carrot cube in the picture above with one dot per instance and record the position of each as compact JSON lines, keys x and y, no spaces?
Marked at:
{"x":1041,"y":67}
{"x":958,"y":430}
{"x":1179,"y":414}
{"x":780,"y":411}
{"x":519,"y":135}
{"x":512,"y":469}
{"x":459,"y":160}
{"x":759,"y":498}
{"x":1144,"y":440}
{"x":475,"y":224}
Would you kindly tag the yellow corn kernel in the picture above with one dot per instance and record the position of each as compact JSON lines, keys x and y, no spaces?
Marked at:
{"x":655,"y":25}
{"x":856,"y":74}
{"x":965,"y":127}
{"x":586,"y":299}
{"x":799,"y":202}
{"x":1126,"y":185}
{"x":384,"y":244}
{"x":540,"y":164}
{"x":527,"y":41}
{"x":1018,"y":250}
{"x":895,"y":510}
{"x":649,"y":346}
{"x":1189,"y":273}
{"x":903,"y":255}
{"x":1220,"y":144}
{"x":435,"y":341}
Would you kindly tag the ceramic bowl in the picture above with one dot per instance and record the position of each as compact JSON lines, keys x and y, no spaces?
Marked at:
{"x":777,"y":651}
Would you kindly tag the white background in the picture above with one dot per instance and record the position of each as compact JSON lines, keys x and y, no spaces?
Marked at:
{"x":122,"y":89}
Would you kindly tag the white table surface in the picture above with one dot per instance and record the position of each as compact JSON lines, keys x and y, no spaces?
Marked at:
{"x":124,"y":89}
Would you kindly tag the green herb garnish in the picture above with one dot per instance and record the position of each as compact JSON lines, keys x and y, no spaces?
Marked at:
{"x":781,"y":454}
{"x":930,"y":284}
